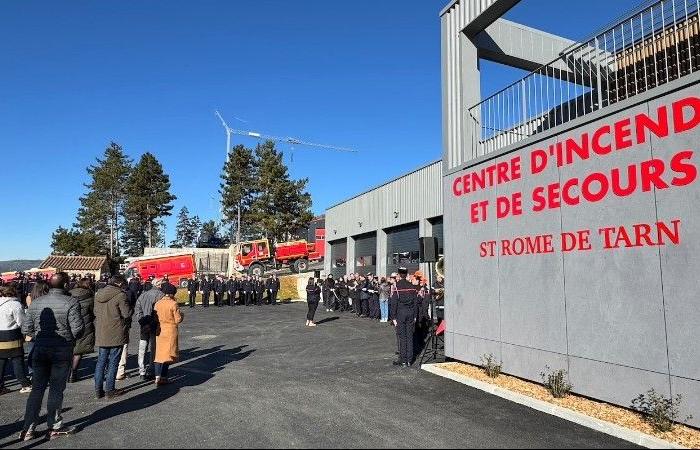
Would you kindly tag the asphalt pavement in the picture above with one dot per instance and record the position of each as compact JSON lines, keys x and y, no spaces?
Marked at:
{"x":256,"y":377}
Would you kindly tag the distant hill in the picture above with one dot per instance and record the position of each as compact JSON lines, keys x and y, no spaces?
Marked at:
{"x":19,"y":265}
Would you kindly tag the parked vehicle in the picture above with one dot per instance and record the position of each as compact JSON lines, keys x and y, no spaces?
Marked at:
{"x":255,"y":257}
{"x":178,"y":267}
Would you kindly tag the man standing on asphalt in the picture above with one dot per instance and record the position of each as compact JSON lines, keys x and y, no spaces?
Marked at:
{"x":247,"y":290}
{"x":273,"y":287}
{"x":405,"y":298}
{"x":112,"y":324}
{"x":54,"y":322}
{"x":219,"y":291}
{"x":231,"y":288}
{"x":205,"y":286}
{"x":192,"y":288}
{"x":143,"y":314}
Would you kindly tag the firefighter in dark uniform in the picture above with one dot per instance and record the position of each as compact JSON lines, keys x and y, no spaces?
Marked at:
{"x":192,"y":288}
{"x":231,"y":288}
{"x":206,"y":286}
{"x":241,"y":292}
{"x":247,"y":285}
{"x":259,"y":291}
{"x":220,"y":291}
{"x":273,"y":288}
{"x":404,"y":298}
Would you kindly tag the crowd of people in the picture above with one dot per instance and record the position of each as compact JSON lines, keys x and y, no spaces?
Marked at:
{"x":401,"y":300}
{"x":59,"y":320}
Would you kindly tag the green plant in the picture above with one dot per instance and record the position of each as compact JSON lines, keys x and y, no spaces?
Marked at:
{"x":659,"y":411}
{"x":490,"y":367}
{"x":557,"y":382}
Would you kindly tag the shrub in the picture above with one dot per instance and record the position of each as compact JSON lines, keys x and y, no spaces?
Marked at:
{"x":490,"y":367}
{"x":557,"y":382}
{"x":659,"y":411}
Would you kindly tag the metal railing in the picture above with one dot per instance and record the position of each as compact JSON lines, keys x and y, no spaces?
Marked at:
{"x":649,"y":48}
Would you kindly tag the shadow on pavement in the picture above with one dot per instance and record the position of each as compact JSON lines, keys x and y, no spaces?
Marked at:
{"x":328,"y":320}
{"x":199,"y":366}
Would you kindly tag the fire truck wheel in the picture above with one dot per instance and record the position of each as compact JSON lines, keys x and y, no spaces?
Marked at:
{"x":301,"y":265}
{"x":183,"y":283}
{"x":257,"y":270}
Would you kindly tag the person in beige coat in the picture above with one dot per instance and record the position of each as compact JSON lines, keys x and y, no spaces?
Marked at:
{"x":169,"y":317}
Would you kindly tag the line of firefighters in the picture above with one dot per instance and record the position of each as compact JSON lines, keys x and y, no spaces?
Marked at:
{"x":242,"y":290}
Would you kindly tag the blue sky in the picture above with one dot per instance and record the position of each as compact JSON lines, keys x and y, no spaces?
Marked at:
{"x":149,"y":75}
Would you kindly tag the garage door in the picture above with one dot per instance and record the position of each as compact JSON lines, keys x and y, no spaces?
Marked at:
{"x":403,"y":248}
{"x":339,"y":257}
{"x":366,"y":253}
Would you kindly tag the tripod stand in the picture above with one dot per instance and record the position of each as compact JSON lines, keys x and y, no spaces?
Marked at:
{"x":434,"y":349}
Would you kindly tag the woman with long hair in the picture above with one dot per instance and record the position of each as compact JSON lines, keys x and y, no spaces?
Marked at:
{"x":169,"y":317}
{"x":86,"y":344}
{"x":313,"y":297}
{"x":40,"y":289}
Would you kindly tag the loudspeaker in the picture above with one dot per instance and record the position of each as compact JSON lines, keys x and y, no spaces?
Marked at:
{"x":428,"y":247}
{"x":317,"y":274}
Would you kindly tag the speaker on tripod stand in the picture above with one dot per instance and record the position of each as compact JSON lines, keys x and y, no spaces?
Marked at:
{"x":435,"y":345}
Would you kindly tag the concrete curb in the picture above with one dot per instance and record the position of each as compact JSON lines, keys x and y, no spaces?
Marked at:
{"x":617,"y":431}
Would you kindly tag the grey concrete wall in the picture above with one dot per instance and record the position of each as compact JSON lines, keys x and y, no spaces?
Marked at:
{"x":620,"y":321}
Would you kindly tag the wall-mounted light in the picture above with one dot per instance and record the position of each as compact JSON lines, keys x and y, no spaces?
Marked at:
{"x":335,"y":231}
{"x":359,"y":223}
{"x":396,"y":214}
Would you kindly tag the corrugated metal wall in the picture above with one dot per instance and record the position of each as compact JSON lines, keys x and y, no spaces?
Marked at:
{"x":408,"y":199}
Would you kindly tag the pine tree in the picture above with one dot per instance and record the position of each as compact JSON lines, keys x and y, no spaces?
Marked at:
{"x":282,"y":206}
{"x":210,"y":237}
{"x":74,"y":242}
{"x":195,"y":229}
{"x":101,"y":207}
{"x":238,"y":188}
{"x":186,"y":231}
{"x":148,"y":201}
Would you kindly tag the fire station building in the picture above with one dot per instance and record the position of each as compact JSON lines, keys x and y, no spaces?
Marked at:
{"x":377,"y":231}
{"x":566,"y":204}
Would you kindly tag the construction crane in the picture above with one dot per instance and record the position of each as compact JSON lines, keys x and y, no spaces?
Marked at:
{"x":284,"y":140}
{"x":290,"y":141}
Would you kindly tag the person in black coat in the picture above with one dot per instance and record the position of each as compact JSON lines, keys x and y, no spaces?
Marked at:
{"x":134,"y":290}
{"x":273,"y":288}
{"x":405,"y":301}
{"x":219,"y":291}
{"x":248,"y":289}
{"x":231,"y":288}
{"x":313,"y":297}
{"x":206,"y":287}
{"x":364,"y":289}
{"x":328,"y":297}
{"x":192,"y":288}
{"x":259,"y":291}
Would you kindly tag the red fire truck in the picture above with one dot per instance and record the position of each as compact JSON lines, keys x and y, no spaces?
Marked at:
{"x":255,"y":257}
{"x":178,"y":267}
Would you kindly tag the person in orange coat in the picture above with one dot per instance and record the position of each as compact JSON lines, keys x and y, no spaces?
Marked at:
{"x":169,"y":317}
